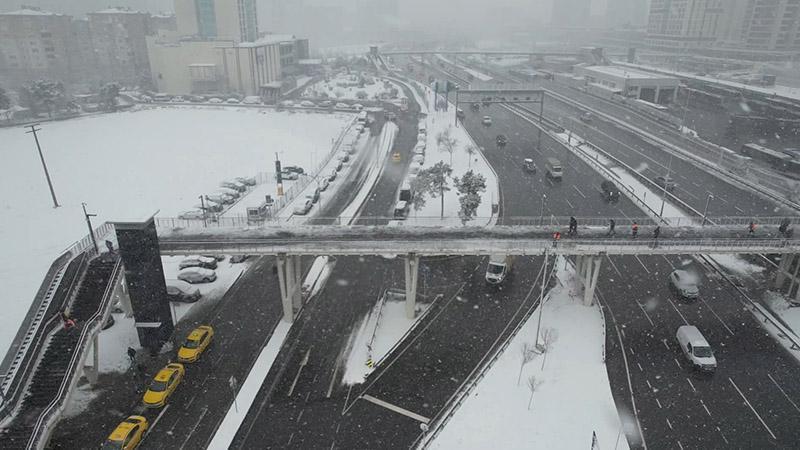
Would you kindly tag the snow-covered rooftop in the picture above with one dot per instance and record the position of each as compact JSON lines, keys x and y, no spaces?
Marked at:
{"x":624,"y":72}
{"x":29,"y":12}
{"x":269,"y":39}
{"x":117,"y":10}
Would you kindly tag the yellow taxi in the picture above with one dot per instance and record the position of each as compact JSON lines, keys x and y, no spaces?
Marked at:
{"x":396,"y":157}
{"x":163,"y":385}
{"x":196,"y":343}
{"x":128,"y":434}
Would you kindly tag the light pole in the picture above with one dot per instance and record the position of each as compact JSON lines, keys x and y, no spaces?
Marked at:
{"x":541,"y":299}
{"x":44,"y":165}
{"x":91,"y":230}
{"x":541,"y":212}
{"x":705,"y":211}
{"x":664,"y":187}
{"x":203,"y":208}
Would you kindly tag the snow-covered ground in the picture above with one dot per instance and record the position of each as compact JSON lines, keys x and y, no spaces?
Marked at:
{"x":345,"y":86}
{"x":438,"y":122}
{"x":788,"y":312}
{"x":510,"y":61}
{"x":127,"y":164}
{"x":571,"y":398}
{"x":376,"y":335}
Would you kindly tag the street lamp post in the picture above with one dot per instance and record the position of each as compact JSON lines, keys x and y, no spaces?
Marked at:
{"x":705,"y":210}
{"x":664,"y":187}
{"x":44,"y":165}
{"x":541,"y":212}
{"x":203,"y":208}
{"x":91,"y":230}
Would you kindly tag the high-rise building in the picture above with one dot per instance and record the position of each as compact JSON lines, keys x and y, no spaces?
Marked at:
{"x":36,"y":44}
{"x":771,"y":25}
{"x":571,"y":13}
{"x":118,"y":37}
{"x":684,"y":24}
{"x":632,"y":13}
{"x":232,"y":20}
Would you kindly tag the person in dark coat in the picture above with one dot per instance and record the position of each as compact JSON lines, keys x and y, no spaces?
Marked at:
{"x":611,"y":225}
{"x":635,"y":230}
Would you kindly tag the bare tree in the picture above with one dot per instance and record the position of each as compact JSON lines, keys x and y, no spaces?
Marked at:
{"x":532,"y":385}
{"x":447,"y":143}
{"x":549,"y":336}
{"x":527,"y":353}
{"x":471,"y":150}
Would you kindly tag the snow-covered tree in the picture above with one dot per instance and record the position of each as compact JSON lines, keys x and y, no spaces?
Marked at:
{"x":5,"y":100}
{"x":44,"y":95}
{"x":471,"y":150}
{"x":549,"y":336}
{"x":533,"y":384}
{"x":527,"y":353}
{"x":435,"y":181}
{"x":447,"y":143}
{"x":108,"y":96}
{"x":469,"y":186}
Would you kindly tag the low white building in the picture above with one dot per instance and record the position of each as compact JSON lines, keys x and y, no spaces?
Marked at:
{"x":650,"y":87}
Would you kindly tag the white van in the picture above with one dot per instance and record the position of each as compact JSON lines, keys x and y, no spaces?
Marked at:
{"x":498,"y":269}
{"x":405,"y":192}
{"x":553,"y":169}
{"x":696,"y":348}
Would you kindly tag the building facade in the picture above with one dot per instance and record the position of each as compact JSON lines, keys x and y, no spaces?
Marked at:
{"x":118,"y":36}
{"x":36,"y":44}
{"x":771,"y":25}
{"x":684,"y":24}
{"x":631,"y":83}
{"x":234,"y":20}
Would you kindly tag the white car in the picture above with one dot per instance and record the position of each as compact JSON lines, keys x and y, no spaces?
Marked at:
{"x":252,"y":100}
{"x":234,"y":184}
{"x":197,"y":275}
{"x":247,"y":181}
{"x":360,"y":128}
{"x":214,"y":100}
{"x":198,"y":261}
{"x":326,"y":104}
{"x":307,"y":104}
{"x":323,"y":184}
{"x":231,"y":192}
{"x":357,"y":106}
{"x":285,"y":175}
{"x":181,"y":291}
{"x":232,"y":101}
{"x":189,"y":215}
{"x":178,"y":99}
{"x":487,"y":120}
{"x":303,"y":208}
{"x":287,"y":103}
{"x":342,"y":106}
{"x":419,"y":149}
{"x":220,"y":198}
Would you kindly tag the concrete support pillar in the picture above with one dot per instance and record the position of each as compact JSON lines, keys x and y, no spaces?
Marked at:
{"x":412,"y":272}
{"x":124,"y":298}
{"x":297,"y":294}
{"x":580,"y":262}
{"x":783,"y":270}
{"x":284,"y":281}
{"x":92,"y":372}
{"x":590,"y":278}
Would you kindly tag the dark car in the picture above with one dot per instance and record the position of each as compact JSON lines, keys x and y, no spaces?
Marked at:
{"x":610,"y":191}
{"x":475,"y":106}
{"x":502,"y":140}
{"x":296,"y":169}
{"x":665,"y":182}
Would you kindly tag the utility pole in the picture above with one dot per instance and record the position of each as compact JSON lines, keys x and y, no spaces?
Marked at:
{"x":541,"y":298}
{"x":664,"y":190}
{"x":203,"y":207}
{"x":44,"y":165}
{"x":541,"y":212}
{"x":541,"y":112}
{"x":705,"y":211}
{"x":91,"y":230}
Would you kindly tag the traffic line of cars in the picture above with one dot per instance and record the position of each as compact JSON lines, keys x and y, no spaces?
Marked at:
{"x":323,"y":104}
{"x":129,"y":434}
{"x":228,"y":193}
{"x":323,"y":181}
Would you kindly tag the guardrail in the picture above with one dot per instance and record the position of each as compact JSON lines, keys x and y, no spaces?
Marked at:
{"x":94,"y":325}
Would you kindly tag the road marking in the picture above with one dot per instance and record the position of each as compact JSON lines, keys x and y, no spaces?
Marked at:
{"x":578,"y":190}
{"x":299,"y":416}
{"x":333,"y":379}
{"x":640,"y":367}
{"x":649,"y":385}
{"x":752,"y":409}
{"x":568,"y":202}
{"x":668,"y":261}
{"x":219,"y":358}
{"x":676,"y":310}
{"x":659,"y":404}
{"x":680,"y":445}
{"x":299,"y":369}
{"x":783,"y":392}
{"x":613,"y":265}
{"x":290,"y":439}
{"x":631,"y":350}
{"x":308,"y":394}
{"x":669,"y":424}
{"x":645,"y":314}
{"x":723,"y":435}
{"x":344,"y":408}
{"x":705,"y":407}
{"x":718,"y":317}
{"x":692,"y":385}
{"x":677,"y":363}
{"x":194,"y":428}
{"x":338,"y":425}
{"x":189,"y":403}
{"x":664,"y":341}
{"x":153,"y":425}
{"x":640,"y":262}
{"x":737,"y":208}
{"x":396,"y":408}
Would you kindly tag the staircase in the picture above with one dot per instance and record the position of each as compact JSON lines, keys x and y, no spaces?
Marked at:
{"x":55,"y":362}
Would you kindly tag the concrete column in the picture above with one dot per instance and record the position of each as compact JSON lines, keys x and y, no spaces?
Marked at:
{"x":288,"y":312}
{"x":412,"y":272}
{"x":658,"y":91}
{"x":297,"y":294}
{"x":92,"y":372}
{"x":592,"y":275}
{"x":579,"y":263}
{"x":783,"y":270}
{"x":124,"y":298}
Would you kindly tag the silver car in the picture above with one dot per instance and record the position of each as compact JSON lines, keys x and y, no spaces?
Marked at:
{"x":181,"y":291}
{"x":233,"y":184}
{"x":197,"y":275}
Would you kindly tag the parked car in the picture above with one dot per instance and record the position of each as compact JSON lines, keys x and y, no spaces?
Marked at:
{"x":389,"y":115}
{"x":342,"y":106}
{"x":529,"y":166}
{"x":357,"y":106}
{"x":502,"y":140}
{"x":196,"y":343}
{"x":178,"y":99}
{"x":460,"y":113}
{"x":487,"y":121}
{"x":232,"y":101}
{"x":287,"y":103}
{"x":128,"y":434}
{"x":233,"y":184}
{"x":326,"y":104}
{"x":323,"y":184}
{"x":610,"y":191}
{"x":229,"y":192}
{"x":475,"y":106}
{"x":247,"y":181}
{"x":198,"y":261}
{"x":163,"y":385}
{"x":191,"y":215}
{"x":684,"y":284}
{"x":252,"y":100}
{"x":344,"y":156}
{"x":303,"y":208}
{"x":307,"y":104}
{"x":214,"y":100}
{"x":197,"y":275}
{"x":332,"y":176}
{"x":181,"y":291}
{"x":236,"y":259}
{"x":209,"y":206}
{"x":296,"y":169}
{"x":286,"y":175}
{"x":418,"y":159}
{"x":665,"y":182}
{"x":360,"y":128}
{"x":220,"y":198}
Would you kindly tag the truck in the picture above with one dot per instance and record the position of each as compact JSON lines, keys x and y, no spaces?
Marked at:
{"x":498,"y":268}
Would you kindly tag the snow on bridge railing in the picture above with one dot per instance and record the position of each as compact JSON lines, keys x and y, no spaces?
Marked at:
{"x":622,"y":223}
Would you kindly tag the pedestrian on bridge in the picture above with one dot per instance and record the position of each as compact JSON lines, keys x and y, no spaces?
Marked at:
{"x":656,"y":233}
{"x":611,"y":225}
{"x":573,"y":226}
{"x":635,"y":230}
{"x":751,"y":229}
{"x":556,"y":238}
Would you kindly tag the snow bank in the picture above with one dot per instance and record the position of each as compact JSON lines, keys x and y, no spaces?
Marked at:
{"x":572,"y":398}
{"x":126,"y":164}
{"x":345,"y":86}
